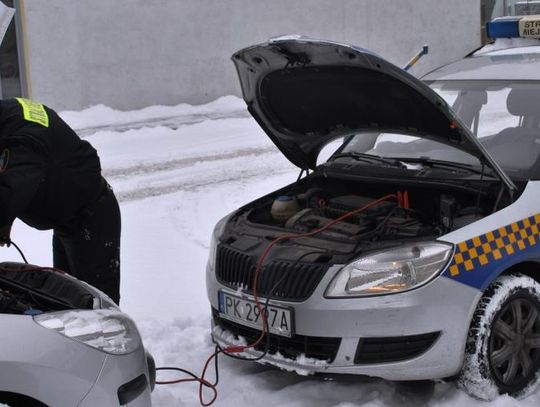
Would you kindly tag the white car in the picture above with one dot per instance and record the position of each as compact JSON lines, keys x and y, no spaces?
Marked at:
{"x":413,"y":253}
{"x":66,"y":344}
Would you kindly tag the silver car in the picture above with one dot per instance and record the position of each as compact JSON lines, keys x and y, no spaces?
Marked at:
{"x":413,"y":252}
{"x":65,"y":343}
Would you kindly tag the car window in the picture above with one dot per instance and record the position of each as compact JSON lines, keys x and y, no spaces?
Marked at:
{"x":329,"y":149}
{"x":503,"y":115}
{"x":406,"y":146}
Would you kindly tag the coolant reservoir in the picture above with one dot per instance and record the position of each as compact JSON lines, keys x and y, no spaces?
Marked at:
{"x":284,"y":207}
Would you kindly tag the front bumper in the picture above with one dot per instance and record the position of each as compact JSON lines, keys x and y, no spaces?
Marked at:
{"x":48,"y":367}
{"x":443,"y":309}
{"x":123,"y":380}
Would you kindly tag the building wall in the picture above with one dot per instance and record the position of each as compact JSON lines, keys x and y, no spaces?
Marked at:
{"x":133,"y":53}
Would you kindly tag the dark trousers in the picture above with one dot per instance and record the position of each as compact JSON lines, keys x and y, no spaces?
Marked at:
{"x":89,"y":247}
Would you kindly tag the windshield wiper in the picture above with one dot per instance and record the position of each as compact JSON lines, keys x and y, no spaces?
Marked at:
{"x":430,"y":162}
{"x":392,"y":162}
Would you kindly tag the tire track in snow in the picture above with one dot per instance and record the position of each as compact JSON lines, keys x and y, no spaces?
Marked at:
{"x":192,"y":173}
{"x":151,"y":179}
{"x":184,"y":162}
{"x":148,"y":192}
{"x":172,"y":122}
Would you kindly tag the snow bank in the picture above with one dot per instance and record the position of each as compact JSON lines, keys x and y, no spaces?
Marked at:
{"x":101,"y":115}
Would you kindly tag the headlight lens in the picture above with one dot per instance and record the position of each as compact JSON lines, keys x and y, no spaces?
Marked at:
{"x":107,"y":330}
{"x":391,"y":270}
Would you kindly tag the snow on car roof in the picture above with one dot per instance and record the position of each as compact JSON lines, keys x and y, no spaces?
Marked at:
{"x":510,"y":46}
{"x":512,"y":51}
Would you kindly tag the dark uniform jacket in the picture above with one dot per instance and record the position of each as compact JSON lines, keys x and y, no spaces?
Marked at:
{"x":47,"y":173}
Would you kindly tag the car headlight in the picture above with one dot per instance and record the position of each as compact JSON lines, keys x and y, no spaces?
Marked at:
{"x":107,"y":330}
{"x":216,"y":234}
{"x":391,"y":270}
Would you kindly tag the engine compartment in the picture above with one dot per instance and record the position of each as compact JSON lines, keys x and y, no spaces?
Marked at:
{"x":27,"y":289}
{"x":356,"y":215}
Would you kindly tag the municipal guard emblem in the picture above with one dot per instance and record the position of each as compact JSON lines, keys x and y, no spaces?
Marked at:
{"x":4,"y":159}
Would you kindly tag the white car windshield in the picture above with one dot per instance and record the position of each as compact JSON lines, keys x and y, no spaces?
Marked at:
{"x":503,"y":115}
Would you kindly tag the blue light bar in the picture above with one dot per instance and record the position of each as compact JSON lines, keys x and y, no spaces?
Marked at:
{"x":514,"y":27}
{"x":499,"y":28}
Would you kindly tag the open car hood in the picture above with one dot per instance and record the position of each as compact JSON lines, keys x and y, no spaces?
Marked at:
{"x":305,"y":93}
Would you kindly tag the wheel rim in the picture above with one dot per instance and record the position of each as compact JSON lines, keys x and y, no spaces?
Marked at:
{"x":514,"y":346}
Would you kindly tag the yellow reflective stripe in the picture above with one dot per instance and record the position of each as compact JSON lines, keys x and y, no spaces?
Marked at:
{"x":34,"y":112}
{"x":495,"y":245}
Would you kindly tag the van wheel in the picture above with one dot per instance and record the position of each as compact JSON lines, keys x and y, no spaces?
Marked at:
{"x":502,"y":354}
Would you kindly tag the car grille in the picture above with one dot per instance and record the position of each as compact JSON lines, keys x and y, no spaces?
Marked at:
{"x":311,"y":346}
{"x":393,"y":349}
{"x":299,"y":279}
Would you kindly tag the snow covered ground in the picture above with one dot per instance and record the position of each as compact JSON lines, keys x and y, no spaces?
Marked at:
{"x":176,"y":171}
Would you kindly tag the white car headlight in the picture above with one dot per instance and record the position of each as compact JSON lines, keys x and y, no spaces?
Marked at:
{"x":107,"y":330}
{"x":391,"y":270}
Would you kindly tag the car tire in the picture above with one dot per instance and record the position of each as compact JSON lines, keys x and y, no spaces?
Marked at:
{"x":502,"y":353}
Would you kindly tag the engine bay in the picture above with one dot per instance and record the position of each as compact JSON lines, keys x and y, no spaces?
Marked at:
{"x":27,"y":289}
{"x":356,"y":215}
{"x":410,"y":212}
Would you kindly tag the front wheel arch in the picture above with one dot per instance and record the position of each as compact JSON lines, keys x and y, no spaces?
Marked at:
{"x":480,"y":375}
{"x":527,"y":268}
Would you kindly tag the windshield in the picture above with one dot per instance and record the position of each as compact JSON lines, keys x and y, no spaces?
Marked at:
{"x":503,"y":115}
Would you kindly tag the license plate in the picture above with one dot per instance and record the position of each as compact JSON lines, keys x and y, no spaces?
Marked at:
{"x":245,"y":312}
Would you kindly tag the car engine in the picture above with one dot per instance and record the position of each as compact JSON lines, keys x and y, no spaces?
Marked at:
{"x":29,"y":290}
{"x":410,"y":213}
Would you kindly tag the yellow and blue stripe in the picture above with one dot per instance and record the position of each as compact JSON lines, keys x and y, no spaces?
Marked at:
{"x":477,"y":261}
